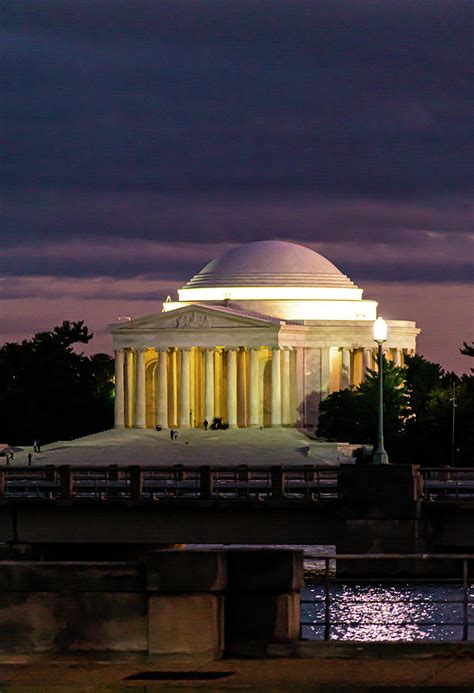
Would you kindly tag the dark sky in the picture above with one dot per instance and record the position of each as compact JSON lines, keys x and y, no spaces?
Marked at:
{"x":142,"y":138}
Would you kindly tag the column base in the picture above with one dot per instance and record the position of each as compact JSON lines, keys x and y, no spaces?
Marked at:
{"x":163,"y":427}
{"x":276,"y":425}
{"x":119,"y":426}
{"x":253,"y":425}
{"x":141,"y":426}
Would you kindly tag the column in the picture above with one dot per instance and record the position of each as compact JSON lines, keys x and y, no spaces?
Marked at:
{"x":276,"y":387}
{"x":325,"y":377}
{"x":185,"y":399}
{"x":129,"y":387}
{"x":140,"y":398}
{"x":345,"y":368}
{"x":367,"y":363}
{"x":285,"y":390}
{"x":162,"y":389}
{"x":232,"y":387}
{"x":119,"y":389}
{"x":397,"y":358}
{"x":300,"y":377}
{"x":209,"y":385}
{"x":254,"y":420}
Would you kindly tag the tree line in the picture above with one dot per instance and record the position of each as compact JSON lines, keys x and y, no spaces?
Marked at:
{"x":423,"y":405}
{"x":49,"y":391}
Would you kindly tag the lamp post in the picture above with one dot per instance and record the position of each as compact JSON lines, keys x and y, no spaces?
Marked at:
{"x":380,"y":336}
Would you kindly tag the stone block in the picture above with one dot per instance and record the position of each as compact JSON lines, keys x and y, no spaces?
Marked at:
{"x":186,"y":571}
{"x":72,"y":622}
{"x":186,"y":624}
{"x":268,"y":569}
{"x":256,"y":618}
{"x":379,"y":490}
{"x":37,"y":576}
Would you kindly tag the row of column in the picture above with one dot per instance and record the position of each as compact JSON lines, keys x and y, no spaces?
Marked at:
{"x":281,"y":391}
{"x":368,"y":362}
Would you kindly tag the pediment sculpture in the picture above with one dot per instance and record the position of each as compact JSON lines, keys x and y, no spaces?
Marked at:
{"x":194,"y":319}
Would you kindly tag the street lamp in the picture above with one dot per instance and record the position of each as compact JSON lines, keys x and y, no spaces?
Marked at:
{"x":380,"y":336}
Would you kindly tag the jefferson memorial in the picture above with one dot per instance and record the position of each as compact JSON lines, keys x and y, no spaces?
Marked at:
{"x":258,"y":337}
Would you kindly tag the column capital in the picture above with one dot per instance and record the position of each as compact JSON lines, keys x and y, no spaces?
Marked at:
{"x":162,"y":349}
{"x":141,"y":350}
{"x":232,"y":348}
{"x":119,"y":350}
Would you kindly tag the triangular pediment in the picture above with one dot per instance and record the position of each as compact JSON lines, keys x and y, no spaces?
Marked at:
{"x":195,"y":317}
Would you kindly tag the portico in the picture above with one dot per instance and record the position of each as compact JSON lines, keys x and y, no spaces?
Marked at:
{"x":241,"y":361}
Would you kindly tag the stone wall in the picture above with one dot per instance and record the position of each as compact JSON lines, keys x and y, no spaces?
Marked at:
{"x":177,"y":603}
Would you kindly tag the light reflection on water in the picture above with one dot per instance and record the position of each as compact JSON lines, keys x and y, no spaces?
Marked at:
{"x":376,"y":612}
{"x":390,"y":612}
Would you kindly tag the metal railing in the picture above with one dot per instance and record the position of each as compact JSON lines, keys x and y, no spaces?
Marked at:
{"x":337,"y":621}
{"x":305,"y":483}
{"x":447,"y":483}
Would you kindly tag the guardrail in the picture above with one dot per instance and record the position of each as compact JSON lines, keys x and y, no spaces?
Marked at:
{"x":447,"y":483}
{"x":137,"y":483}
{"x":305,"y":482}
{"x":348,"y":615}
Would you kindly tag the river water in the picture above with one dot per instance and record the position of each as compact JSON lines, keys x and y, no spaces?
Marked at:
{"x":401,"y":611}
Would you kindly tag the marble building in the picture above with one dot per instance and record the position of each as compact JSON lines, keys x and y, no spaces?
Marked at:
{"x":258,"y":337}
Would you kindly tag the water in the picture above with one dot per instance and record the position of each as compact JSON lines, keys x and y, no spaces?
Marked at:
{"x":376,"y":612}
{"x":386,"y":612}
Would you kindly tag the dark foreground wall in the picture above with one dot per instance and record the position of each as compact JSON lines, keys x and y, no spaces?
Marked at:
{"x":171,"y":603}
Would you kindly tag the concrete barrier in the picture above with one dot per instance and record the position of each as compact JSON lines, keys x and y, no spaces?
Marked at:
{"x":171,"y":603}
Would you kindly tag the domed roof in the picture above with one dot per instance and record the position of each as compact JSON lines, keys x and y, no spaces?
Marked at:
{"x":270,"y":263}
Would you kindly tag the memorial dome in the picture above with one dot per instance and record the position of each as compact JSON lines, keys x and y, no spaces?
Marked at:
{"x":270,"y":263}
{"x":279,"y":279}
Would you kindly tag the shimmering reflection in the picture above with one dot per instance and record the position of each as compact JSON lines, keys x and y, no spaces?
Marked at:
{"x":390,"y":612}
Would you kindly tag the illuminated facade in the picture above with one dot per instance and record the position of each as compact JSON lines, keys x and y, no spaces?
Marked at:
{"x":258,"y":337}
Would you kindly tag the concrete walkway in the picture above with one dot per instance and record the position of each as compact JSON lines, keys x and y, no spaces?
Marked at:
{"x":372,"y":668}
{"x":280,"y":446}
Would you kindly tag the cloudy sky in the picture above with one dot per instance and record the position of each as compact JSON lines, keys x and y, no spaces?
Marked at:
{"x":144,"y":137}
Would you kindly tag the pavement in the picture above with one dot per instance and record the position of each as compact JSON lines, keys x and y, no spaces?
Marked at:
{"x":266,"y":447}
{"x":373,"y":668}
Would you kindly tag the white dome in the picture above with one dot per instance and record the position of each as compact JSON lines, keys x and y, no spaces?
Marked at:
{"x":270,"y":263}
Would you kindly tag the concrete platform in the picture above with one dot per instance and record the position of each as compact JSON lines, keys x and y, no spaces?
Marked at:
{"x":350,"y":668}
{"x":278,"y":446}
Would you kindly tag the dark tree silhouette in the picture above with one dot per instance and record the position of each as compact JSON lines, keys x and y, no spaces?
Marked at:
{"x":51,"y":392}
{"x":418,"y":413}
{"x":351,"y":415}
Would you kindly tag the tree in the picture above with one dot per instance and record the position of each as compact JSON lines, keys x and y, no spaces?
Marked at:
{"x":51,"y":392}
{"x":418,"y":413}
{"x":351,"y":414}
{"x":464,"y":438}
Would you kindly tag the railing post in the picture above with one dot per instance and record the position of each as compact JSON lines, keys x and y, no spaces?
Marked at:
{"x":327,"y":602}
{"x":308,"y":479}
{"x":136,"y":482}
{"x":277,"y":482}
{"x":465,"y":601}
{"x":2,"y":483}
{"x":205,"y":482}
{"x":65,"y":481}
{"x":243,"y":475}
{"x":112,"y":475}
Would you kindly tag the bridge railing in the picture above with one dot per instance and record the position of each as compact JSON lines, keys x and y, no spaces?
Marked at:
{"x":447,"y":483}
{"x":371,"y":607}
{"x":303,"y":483}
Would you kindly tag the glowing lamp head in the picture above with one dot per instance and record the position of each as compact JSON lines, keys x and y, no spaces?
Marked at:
{"x":380,"y":330}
